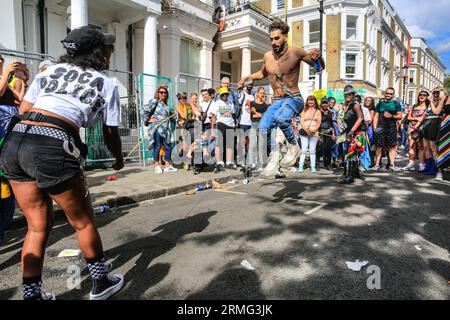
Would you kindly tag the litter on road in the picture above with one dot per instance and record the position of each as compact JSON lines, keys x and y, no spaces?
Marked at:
{"x":247,"y":265}
{"x":418,"y":247}
{"x":357,"y":265}
{"x":69,"y":253}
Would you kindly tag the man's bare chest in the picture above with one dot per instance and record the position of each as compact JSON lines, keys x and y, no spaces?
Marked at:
{"x":287,"y":64}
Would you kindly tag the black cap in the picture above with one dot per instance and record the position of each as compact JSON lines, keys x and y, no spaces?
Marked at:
{"x":86,"y":39}
{"x":324,"y":100}
{"x":349,"y":89}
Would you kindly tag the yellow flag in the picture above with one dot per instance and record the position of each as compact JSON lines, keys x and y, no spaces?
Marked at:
{"x":5,"y":191}
{"x":285,"y":20}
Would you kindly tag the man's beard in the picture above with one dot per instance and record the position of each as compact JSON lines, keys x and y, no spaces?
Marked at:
{"x":280,"y":49}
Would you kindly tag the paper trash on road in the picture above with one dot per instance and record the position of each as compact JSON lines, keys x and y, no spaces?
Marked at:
{"x":315,"y":245}
{"x":69,"y":253}
{"x":232,"y":181}
{"x":217,"y":185}
{"x":357,"y":265}
{"x":247,"y":265}
{"x":418,"y":247}
{"x":190,"y":192}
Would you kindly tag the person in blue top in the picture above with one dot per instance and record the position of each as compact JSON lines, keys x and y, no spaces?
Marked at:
{"x":387,"y":113}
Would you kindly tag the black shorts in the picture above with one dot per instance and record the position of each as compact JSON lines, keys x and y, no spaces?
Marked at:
{"x":431,"y":129}
{"x":38,"y":155}
{"x":386,"y":137}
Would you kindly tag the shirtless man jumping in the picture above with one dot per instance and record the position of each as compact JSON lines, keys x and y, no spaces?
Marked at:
{"x":282,"y":66}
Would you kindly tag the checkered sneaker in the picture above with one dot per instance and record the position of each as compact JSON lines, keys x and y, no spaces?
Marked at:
{"x":98,"y":269}
{"x":42,"y":131}
{"x":31,"y":290}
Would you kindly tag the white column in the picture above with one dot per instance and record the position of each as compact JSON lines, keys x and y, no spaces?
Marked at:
{"x":246,"y":62}
{"x":216,"y":66}
{"x":78,"y":13}
{"x":119,"y":57}
{"x":206,"y":56}
{"x":150,"y":46}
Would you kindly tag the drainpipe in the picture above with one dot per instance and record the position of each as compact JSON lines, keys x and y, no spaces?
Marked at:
{"x":41,"y":10}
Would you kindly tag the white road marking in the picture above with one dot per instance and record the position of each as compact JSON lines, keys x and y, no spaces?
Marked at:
{"x":320,"y":205}
{"x":316,"y":209}
{"x":228,"y":191}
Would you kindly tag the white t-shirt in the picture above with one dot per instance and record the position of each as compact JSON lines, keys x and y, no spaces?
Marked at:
{"x":204,"y":106}
{"x":366,"y":113}
{"x":224,"y":112}
{"x":246,"y":118}
{"x":82,"y":96}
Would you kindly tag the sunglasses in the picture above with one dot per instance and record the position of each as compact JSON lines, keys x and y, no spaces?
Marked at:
{"x":423,"y":95}
{"x":436,"y":92}
{"x":389,"y":94}
{"x":163,"y":92}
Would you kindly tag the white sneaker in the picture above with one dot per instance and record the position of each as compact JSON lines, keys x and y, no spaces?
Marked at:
{"x":409,"y":167}
{"x":376,"y":168}
{"x":292,"y":154}
{"x":394,"y":168}
{"x":158,"y":170}
{"x":422,"y":167}
{"x":273,"y":164}
{"x":170,"y":169}
{"x":439,"y":176}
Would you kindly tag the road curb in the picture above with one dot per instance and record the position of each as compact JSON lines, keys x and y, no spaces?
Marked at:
{"x":19,"y":221}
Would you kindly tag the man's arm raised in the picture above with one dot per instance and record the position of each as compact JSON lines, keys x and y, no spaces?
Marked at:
{"x":261,"y":74}
{"x":312,"y":55}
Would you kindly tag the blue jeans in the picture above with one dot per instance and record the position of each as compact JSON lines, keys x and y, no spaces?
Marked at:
{"x":280,"y":115}
{"x":159,"y":142}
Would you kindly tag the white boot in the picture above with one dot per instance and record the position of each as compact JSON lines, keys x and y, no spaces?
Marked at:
{"x":273,"y":164}
{"x":291,"y":156}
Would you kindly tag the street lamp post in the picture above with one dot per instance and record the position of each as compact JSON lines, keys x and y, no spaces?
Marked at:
{"x":405,"y":78}
{"x":321,"y":36}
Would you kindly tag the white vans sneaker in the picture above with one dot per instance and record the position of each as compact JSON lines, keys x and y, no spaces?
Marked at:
{"x":409,"y":167}
{"x":439,"y":176}
{"x":170,"y":169}
{"x":292,"y":154}
{"x":158,"y":170}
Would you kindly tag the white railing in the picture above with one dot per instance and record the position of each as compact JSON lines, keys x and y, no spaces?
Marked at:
{"x":247,"y":18}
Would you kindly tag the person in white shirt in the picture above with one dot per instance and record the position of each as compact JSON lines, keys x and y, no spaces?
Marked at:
{"x":43,"y":154}
{"x":246,"y":97}
{"x":207,"y":106}
{"x":223,"y":114}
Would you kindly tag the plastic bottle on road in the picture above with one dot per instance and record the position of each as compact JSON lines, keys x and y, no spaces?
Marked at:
{"x":101,"y":209}
{"x":205,"y":187}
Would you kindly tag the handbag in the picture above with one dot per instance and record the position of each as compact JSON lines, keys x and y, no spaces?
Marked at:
{"x":204,"y":115}
{"x":302,"y":131}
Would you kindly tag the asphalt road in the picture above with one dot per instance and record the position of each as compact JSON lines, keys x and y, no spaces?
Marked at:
{"x":297,"y":234}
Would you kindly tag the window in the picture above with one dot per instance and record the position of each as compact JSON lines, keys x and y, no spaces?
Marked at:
{"x":350,"y":65}
{"x":190,"y":57}
{"x":412,"y":76}
{"x":225,"y":69}
{"x":280,"y":4}
{"x":411,"y":97}
{"x":351,"y":27}
{"x":414,"y":56}
{"x":314,"y":31}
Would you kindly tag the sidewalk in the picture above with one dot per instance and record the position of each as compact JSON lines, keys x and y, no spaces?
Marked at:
{"x":136,"y":184}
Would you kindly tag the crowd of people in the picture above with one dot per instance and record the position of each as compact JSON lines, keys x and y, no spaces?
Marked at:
{"x":224,"y":127}
{"x":42,"y":153}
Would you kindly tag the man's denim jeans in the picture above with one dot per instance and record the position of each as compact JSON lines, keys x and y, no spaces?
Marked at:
{"x":280,"y":115}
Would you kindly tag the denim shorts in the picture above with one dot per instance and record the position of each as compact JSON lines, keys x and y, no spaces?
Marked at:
{"x":38,"y":155}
